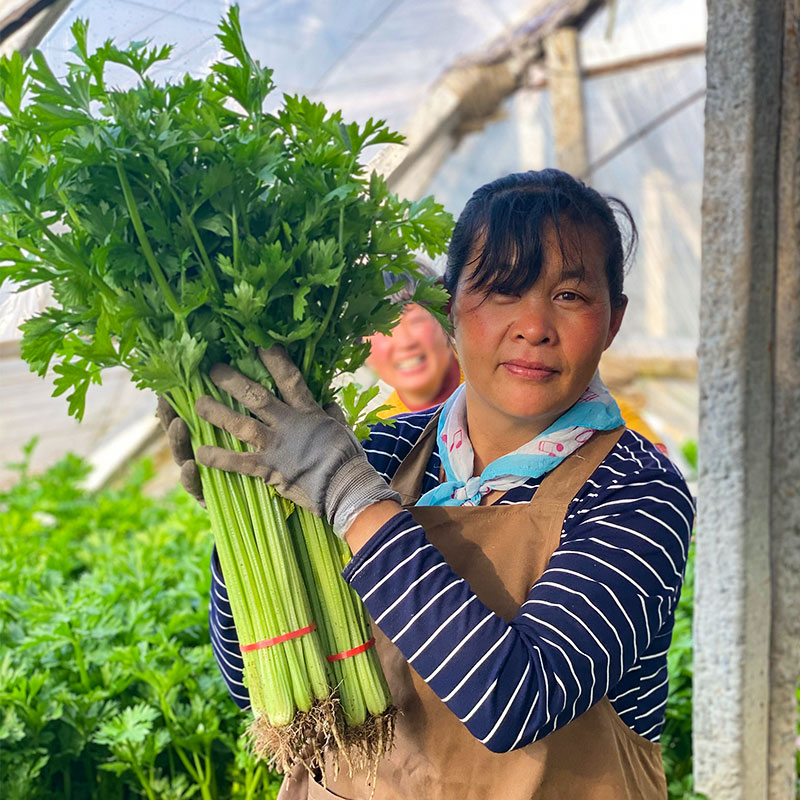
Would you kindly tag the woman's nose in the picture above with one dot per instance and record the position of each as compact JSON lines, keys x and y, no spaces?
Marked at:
{"x":534,"y":321}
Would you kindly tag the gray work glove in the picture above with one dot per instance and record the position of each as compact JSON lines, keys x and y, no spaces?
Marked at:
{"x":306,"y":452}
{"x":180,"y":444}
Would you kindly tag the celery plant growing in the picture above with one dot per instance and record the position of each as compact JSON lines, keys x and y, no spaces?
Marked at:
{"x":180,"y":225}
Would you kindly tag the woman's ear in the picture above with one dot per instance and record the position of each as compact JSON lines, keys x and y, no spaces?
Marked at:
{"x":617,"y":313}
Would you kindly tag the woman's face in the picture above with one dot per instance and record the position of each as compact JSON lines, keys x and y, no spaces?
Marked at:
{"x":414,"y":357}
{"x":528,"y":358}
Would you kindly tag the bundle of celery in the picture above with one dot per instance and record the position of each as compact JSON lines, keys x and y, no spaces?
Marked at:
{"x":180,"y":225}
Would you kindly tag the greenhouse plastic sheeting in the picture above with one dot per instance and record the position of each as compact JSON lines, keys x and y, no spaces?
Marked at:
{"x":368,"y":57}
{"x":371,"y":58}
{"x":381,"y":58}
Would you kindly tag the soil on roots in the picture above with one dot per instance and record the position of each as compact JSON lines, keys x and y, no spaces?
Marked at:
{"x":364,"y":745}
{"x":320,"y":730}
{"x":303,"y":741}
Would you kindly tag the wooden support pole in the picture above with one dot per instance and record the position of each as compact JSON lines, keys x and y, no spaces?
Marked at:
{"x":566,"y":100}
{"x":24,"y":23}
{"x":473,"y":90}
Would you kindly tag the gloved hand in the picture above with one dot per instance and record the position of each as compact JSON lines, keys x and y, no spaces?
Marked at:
{"x":180,"y":444}
{"x":306,"y":452}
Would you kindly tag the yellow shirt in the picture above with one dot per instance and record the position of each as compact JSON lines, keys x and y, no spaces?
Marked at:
{"x":635,"y":422}
{"x":395,"y":406}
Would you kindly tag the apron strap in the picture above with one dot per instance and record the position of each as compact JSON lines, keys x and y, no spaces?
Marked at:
{"x":407,"y":481}
{"x":577,"y":468}
{"x":558,"y":488}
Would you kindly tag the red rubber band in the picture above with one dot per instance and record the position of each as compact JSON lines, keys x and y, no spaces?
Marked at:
{"x":284,"y":637}
{"x":354,"y":652}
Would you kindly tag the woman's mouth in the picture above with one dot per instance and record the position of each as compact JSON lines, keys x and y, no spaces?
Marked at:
{"x":531,"y":370}
{"x":413,"y":364}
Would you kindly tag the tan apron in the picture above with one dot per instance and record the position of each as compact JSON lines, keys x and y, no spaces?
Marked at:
{"x":500,"y":551}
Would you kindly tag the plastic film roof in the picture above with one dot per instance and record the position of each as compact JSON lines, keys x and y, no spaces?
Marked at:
{"x":381,"y":58}
{"x":368,"y":57}
{"x":371,"y":58}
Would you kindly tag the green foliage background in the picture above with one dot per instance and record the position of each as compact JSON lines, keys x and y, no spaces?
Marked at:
{"x":108,"y":687}
{"x":676,"y":738}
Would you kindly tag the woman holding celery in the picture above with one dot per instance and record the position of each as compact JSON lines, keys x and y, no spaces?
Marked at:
{"x":519,"y":550}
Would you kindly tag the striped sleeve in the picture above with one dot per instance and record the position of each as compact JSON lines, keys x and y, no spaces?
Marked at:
{"x":602,"y":609}
{"x":224,"y":639}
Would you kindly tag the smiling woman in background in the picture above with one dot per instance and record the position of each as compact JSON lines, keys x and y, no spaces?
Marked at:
{"x":520,"y":551}
{"x":415,"y":359}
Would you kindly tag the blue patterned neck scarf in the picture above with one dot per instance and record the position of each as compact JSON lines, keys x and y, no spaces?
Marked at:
{"x":596,"y":410}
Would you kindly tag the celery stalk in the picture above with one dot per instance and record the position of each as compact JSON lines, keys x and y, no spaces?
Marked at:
{"x":362,"y":688}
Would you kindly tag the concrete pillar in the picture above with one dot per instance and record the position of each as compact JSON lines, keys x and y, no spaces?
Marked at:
{"x":747,"y":597}
{"x":566,"y":101}
{"x":785,"y":645}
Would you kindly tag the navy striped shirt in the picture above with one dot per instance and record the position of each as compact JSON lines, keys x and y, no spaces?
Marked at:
{"x":598,"y":622}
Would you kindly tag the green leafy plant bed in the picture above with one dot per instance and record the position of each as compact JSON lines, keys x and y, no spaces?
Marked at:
{"x":676,"y":738}
{"x":181,"y":225}
{"x":108,"y":687}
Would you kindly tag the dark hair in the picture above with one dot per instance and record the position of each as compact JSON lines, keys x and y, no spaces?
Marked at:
{"x":510,"y":215}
